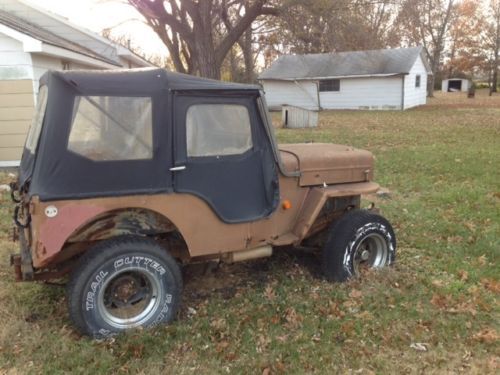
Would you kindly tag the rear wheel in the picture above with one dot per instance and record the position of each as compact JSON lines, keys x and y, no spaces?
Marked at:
{"x":121,"y":284}
{"x":359,"y":240}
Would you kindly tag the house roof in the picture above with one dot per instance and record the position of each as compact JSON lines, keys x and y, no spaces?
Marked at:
{"x":48,"y":37}
{"x":383,"y":62}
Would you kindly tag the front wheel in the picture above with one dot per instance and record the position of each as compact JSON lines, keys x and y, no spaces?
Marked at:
{"x":121,"y":284}
{"x":358,"y":240}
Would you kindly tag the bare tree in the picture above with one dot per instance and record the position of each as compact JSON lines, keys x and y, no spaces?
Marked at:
{"x":493,"y":41}
{"x":428,"y":22}
{"x":188,"y":29}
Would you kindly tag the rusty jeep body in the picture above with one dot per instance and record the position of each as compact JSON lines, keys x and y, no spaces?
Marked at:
{"x":127,"y":175}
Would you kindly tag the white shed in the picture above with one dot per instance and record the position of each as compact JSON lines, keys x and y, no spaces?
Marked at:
{"x":378,"y":79}
{"x":455,"y":84}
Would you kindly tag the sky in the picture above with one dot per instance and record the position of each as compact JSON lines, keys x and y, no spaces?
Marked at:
{"x":96,"y":15}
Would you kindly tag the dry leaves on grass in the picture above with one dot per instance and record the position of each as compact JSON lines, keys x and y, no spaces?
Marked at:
{"x":293,"y":319}
{"x":269,"y":293}
{"x":356,"y":294}
{"x":487,"y":336}
{"x":463,"y":275}
{"x":454,"y":307}
{"x":491,"y":285}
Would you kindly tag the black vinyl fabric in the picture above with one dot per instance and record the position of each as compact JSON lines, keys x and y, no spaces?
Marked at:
{"x":54,"y":173}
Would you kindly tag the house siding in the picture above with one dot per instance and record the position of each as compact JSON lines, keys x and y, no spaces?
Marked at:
{"x":365,"y":93}
{"x":14,"y":62}
{"x":300,"y":94}
{"x":43,"y":63}
{"x":16,"y":111}
{"x":415,"y":96}
{"x":355,"y":93}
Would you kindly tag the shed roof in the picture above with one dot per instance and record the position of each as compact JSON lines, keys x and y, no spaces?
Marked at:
{"x":43,"y":35}
{"x":382,"y":62}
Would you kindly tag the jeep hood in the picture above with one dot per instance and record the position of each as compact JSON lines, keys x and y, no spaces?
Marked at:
{"x":325,"y":163}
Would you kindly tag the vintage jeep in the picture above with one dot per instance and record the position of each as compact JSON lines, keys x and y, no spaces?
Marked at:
{"x":128,"y":174}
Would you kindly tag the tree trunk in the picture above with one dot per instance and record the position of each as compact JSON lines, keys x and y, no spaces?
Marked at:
{"x":495,"y":68}
{"x":494,"y":81}
{"x":430,"y":86}
{"x":206,"y":61}
{"x":246,"y":46}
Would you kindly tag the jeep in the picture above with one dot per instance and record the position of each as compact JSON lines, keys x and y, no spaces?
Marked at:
{"x":127,"y":175}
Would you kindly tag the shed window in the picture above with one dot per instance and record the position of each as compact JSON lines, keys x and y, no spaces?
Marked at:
{"x":326,"y":85}
{"x":218,"y":129}
{"x":112,"y":128}
{"x":417,"y":80}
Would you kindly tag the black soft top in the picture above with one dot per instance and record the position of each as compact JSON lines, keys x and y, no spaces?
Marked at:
{"x":52,"y":171}
{"x":143,"y":80}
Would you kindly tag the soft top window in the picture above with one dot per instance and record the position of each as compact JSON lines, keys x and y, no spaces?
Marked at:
{"x":36,"y":123}
{"x":106,"y":128}
{"x":218,"y":129}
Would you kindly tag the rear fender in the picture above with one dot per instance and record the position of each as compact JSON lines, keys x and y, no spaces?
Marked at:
{"x":77,"y":224}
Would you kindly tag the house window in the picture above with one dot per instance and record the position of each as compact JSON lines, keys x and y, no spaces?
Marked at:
{"x":326,"y":85}
{"x":218,"y":129}
{"x":417,"y":80}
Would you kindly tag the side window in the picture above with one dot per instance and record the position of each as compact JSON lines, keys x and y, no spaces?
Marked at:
{"x":218,"y":129}
{"x":112,"y":128}
{"x":36,"y":123}
{"x":326,"y":85}
{"x":417,"y":80}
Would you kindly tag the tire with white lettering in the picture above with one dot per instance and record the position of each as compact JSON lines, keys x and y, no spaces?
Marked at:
{"x":121,"y":284}
{"x":358,"y":240}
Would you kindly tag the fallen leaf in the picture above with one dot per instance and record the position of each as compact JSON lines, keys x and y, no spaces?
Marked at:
{"x":439,"y":301}
{"x":488,"y":336}
{"x":491,"y":285}
{"x":437,"y":283}
{"x":454,"y":239}
{"x":494,"y":363}
{"x":283,"y":338}
{"x":221,"y":346}
{"x":471,"y":226}
{"x":355,"y":294}
{"x":364,"y":315}
{"x":347,"y":327}
{"x":266,"y":371}
{"x":482,"y":260}
{"x":292,"y":317}
{"x":464,"y":275}
{"x":280,"y":366}
{"x":269,"y":293}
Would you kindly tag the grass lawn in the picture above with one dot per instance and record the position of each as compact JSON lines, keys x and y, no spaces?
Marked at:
{"x":436,"y":311}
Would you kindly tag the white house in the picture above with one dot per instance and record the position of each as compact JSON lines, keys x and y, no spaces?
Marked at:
{"x":378,"y":79}
{"x":33,"y":40}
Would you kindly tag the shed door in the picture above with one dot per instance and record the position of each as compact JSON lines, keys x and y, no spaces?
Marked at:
{"x":223,"y":155}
